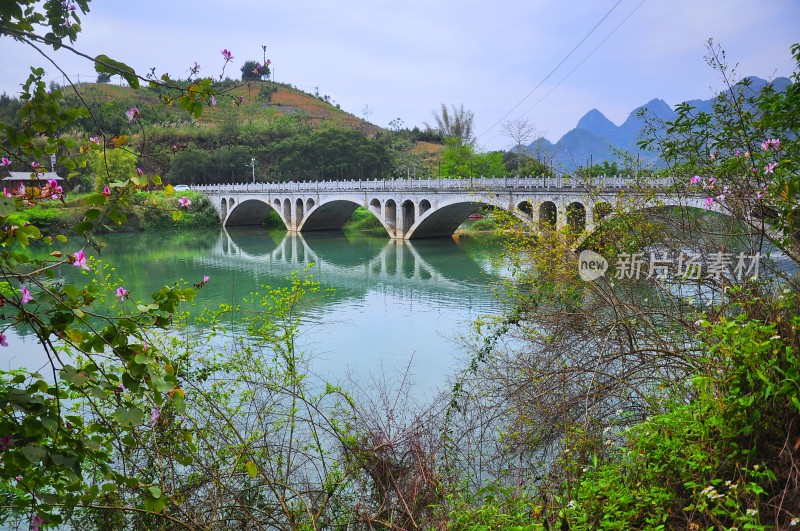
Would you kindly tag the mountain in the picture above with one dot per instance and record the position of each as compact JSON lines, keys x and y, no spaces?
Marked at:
{"x":596,"y":138}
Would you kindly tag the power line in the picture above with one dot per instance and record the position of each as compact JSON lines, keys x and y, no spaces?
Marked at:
{"x":586,"y":58}
{"x":574,"y":49}
{"x":578,"y":65}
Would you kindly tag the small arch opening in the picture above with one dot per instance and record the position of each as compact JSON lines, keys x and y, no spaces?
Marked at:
{"x":408,"y":214}
{"x":390,"y":213}
{"x":424,"y":206}
{"x":287,"y":210}
{"x":526,"y":207}
{"x":548,"y":215}
{"x":601,"y":211}
{"x":576,"y":216}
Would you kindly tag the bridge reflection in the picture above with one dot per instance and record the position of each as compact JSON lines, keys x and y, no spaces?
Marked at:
{"x":356,"y":263}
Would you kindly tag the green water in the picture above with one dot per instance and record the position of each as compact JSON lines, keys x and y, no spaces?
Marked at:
{"x":389,"y":304}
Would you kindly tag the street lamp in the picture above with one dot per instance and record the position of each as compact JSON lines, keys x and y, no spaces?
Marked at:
{"x":253,"y":166}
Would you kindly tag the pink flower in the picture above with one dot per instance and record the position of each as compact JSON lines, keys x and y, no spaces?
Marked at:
{"x":184,"y":202}
{"x":772,"y":143}
{"x":4,"y":343}
{"x":759,"y":195}
{"x":139,"y":171}
{"x":54,"y":188}
{"x":35,"y":165}
{"x":4,"y":162}
{"x":227,"y":55}
{"x":206,"y":278}
{"x":6,"y":193}
{"x":18,"y":478}
{"x":26,"y":296}
{"x":95,"y":139}
{"x":122,"y":293}
{"x":709,"y":202}
{"x":154,"y":417}
{"x":132,"y":114}
{"x":769,"y":168}
{"x":213,"y":101}
{"x":721,"y":198}
{"x":36,"y":522}
{"x":696,"y":179}
{"x":106,"y":191}
{"x":79,"y":260}
{"x":6,"y":441}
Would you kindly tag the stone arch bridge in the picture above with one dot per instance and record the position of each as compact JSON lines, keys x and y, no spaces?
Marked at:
{"x":425,"y":208}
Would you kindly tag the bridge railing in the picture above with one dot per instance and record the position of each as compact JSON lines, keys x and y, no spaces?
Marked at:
{"x":472,"y":183}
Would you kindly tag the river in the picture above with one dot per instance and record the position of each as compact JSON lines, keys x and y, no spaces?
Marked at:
{"x":388,"y":303}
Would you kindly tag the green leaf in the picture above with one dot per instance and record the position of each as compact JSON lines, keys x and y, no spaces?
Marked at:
{"x":180,"y":404}
{"x":177,"y":215}
{"x":103,"y":64}
{"x":34,"y":453}
{"x":251,"y":469}
{"x":83,"y":227}
{"x":155,"y":491}
{"x":129,"y":416}
{"x":7,"y":206}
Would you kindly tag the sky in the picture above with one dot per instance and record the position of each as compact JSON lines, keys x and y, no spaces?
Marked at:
{"x":544,"y":61}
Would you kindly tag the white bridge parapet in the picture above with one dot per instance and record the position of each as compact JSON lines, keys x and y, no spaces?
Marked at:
{"x":423,"y":208}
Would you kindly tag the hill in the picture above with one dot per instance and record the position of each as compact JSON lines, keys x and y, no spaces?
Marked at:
{"x":254,"y":130}
{"x":596,"y":139}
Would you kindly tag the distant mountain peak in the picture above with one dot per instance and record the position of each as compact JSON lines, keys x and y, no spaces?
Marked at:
{"x":596,"y":123}
{"x":595,"y":138}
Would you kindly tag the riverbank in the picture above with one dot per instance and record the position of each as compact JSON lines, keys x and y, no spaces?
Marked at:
{"x":147,"y":211}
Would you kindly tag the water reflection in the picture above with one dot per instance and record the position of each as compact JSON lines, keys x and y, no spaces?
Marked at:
{"x":391,"y":301}
{"x":438,"y":268}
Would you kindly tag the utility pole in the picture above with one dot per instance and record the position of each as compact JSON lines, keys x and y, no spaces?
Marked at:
{"x":264,"y":63}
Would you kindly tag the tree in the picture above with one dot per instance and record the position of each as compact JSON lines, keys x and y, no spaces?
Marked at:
{"x":454,"y":123}
{"x":521,"y":131}
{"x":104,"y":78}
{"x":254,"y":71}
{"x":656,"y":395}
{"x":54,"y":455}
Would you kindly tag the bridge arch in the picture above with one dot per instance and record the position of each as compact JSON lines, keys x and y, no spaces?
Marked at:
{"x":576,"y":216}
{"x":329,"y":215}
{"x":248,"y":212}
{"x":548,"y":214}
{"x":424,"y":206}
{"x":526,"y":208}
{"x":390,"y":216}
{"x":287,"y":211}
{"x":408,"y":215}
